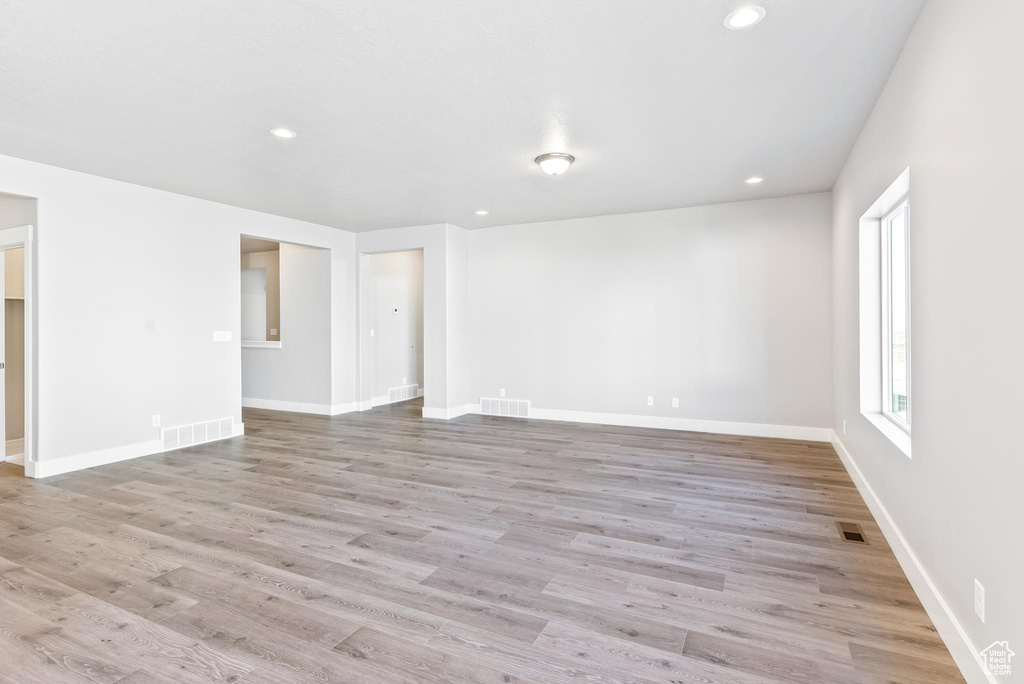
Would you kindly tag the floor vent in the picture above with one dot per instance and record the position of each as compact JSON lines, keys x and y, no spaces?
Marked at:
{"x":514,"y":408}
{"x":402,"y":393}
{"x":851,"y":532}
{"x":197,"y":433}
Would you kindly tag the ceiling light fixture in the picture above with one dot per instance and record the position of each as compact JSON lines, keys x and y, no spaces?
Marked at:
{"x":285,"y":133}
{"x":753,"y":180}
{"x":555,"y":163}
{"x":482,"y":212}
{"x":744,"y":17}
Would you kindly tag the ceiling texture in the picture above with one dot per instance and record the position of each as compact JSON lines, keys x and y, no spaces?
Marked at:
{"x":411,"y":112}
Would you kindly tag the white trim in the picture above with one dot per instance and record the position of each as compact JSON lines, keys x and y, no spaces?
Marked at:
{"x":449,"y":413}
{"x":260,"y":344}
{"x":949,"y":628}
{"x":338,"y":409}
{"x":379,"y":401}
{"x":721,"y":427}
{"x":92,"y":459}
{"x":291,"y":406}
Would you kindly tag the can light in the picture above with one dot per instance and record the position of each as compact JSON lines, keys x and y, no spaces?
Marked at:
{"x":555,"y":163}
{"x":744,"y":17}
{"x":284,"y":133}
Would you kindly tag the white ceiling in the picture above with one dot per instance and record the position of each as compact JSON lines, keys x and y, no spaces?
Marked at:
{"x":423,"y":111}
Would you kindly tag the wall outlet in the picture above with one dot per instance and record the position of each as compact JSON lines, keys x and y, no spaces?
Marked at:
{"x":675,"y":402}
{"x":373,"y":333}
{"x":979,"y":600}
{"x":405,"y":381}
{"x":221,"y":335}
{"x":501,"y":392}
{"x":156,"y":421}
{"x":273,"y":331}
{"x":650,"y":401}
{"x":844,"y":427}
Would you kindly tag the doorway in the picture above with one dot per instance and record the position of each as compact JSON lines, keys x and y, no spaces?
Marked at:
{"x":396,"y":326}
{"x":17,"y":217}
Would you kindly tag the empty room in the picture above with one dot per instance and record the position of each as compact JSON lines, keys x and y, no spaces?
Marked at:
{"x":535,"y":342}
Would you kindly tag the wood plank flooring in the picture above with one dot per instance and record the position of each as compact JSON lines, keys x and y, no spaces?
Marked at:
{"x":379,"y":547}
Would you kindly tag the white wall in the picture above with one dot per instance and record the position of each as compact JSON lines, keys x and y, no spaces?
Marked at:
{"x":952,"y":111}
{"x":16,"y":211}
{"x":162,"y":274}
{"x":299,"y":372}
{"x":726,"y":307}
{"x":397,"y":282}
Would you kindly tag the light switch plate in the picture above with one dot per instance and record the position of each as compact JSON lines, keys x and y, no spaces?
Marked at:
{"x":979,"y":600}
{"x":273,"y":331}
{"x":221,"y":335}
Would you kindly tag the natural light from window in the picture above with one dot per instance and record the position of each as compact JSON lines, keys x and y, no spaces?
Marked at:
{"x":896,"y":319}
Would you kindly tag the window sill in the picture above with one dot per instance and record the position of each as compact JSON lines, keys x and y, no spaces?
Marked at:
{"x":260,"y":344}
{"x":895,"y":434}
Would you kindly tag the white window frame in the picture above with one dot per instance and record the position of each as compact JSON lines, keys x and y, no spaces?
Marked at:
{"x":903,"y":206}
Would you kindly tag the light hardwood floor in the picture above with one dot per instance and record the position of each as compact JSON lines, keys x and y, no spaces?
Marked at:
{"x":381,"y":548}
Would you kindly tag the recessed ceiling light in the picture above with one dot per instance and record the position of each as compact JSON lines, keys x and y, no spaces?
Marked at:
{"x":753,"y":180}
{"x":744,"y":17}
{"x":283,"y":133}
{"x":555,"y":163}
{"x":482,"y":212}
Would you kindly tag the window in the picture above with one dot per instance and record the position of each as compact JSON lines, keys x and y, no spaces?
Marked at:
{"x":884,"y":341}
{"x":895,"y":229}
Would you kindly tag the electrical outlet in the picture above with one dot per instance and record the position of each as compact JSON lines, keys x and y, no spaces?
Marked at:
{"x":675,"y":402}
{"x":373,"y":333}
{"x":156,"y":421}
{"x":221,"y":335}
{"x":405,"y":381}
{"x":501,"y":392}
{"x":273,"y":331}
{"x":650,"y":401}
{"x":979,"y":600}
{"x":844,"y":427}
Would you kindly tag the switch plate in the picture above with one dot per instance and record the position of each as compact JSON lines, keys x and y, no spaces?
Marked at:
{"x":650,"y":401}
{"x":273,"y":331}
{"x":675,"y":402}
{"x":373,"y":333}
{"x":156,"y":421}
{"x":501,"y":392}
{"x":979,"y":600}
{"x":221,"y":335}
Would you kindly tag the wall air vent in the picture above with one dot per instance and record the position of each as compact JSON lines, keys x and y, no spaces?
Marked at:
{"x":403,"y":393}
{"x":513,"y":408}
{"x":196,"y":433}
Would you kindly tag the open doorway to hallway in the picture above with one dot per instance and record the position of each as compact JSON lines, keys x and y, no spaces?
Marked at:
{"x":396,"y":326}
{"x":17,"y":218}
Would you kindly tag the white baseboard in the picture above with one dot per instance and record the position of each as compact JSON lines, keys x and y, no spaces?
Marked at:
{"x":292,"y":406}
{"x":720,"y":427}
{"x":338,"y":409}
{"x":378,"y":401}
{"x":949,"y":628}
{"x":448,"y":414}
{"x":68,"y":464}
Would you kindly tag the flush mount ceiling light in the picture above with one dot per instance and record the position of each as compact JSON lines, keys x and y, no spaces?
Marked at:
{"x":482,"y":212}
{"x":753,"y":180}
{"x":744,"y":17}
{"x":285,"y":133}
{"x":555,"y":163}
